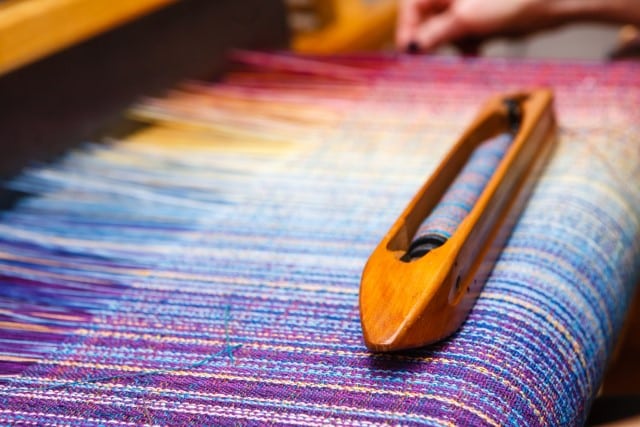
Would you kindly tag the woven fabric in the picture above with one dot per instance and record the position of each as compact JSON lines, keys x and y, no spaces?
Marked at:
{"x":205,"y":270}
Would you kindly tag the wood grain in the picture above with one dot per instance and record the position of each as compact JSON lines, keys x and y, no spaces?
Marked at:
{"x":33,"y":29}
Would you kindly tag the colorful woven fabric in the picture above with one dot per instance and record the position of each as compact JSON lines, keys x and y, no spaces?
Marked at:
{"x":460,"y":197}
{"x":205,"y":270}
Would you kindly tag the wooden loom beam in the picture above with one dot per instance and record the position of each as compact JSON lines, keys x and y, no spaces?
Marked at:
{"x":33,"y":29}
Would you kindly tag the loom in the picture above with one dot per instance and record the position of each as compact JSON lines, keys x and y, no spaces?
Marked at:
{"x":186,"y":221}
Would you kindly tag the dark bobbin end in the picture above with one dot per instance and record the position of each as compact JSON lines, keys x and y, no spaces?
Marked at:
{"x":514,"y":114}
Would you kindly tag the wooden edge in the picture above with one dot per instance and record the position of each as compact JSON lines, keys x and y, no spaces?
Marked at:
{"x":33,"y":29}
{"x":356,"y":27}
{"x":410,"y":304}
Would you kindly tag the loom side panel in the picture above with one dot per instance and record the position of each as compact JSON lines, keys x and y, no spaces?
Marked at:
{"x":35,"y":28}
{"x":78,"y":93}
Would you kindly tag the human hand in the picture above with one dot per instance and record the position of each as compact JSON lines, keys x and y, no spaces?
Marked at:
{"x":424,"y":25}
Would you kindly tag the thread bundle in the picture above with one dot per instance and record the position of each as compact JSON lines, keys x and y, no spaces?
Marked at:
{"x":205,"y":270}
{"x":460,"y":197}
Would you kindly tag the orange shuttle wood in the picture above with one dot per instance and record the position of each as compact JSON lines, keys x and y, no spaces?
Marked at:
{"x":410,"y":304}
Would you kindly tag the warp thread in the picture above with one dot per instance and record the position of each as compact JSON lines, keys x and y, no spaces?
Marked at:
{"x":550,"y":311}
{"x":227,"y":350}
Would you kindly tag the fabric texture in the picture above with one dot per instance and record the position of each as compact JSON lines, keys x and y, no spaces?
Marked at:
{"x":205,"y":270}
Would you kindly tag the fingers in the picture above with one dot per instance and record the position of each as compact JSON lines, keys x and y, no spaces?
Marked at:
{"x":438,"y":30}
{"x":411,"y":14}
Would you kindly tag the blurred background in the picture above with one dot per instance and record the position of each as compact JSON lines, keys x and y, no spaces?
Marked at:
{"x":329,"y":26}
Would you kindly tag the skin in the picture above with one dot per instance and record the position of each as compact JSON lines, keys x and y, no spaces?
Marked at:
{"x":429,"y":24}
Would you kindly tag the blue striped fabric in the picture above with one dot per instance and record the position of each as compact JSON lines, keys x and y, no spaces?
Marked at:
{"x":205,"y":270}
{"x":460,"y":197}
